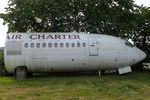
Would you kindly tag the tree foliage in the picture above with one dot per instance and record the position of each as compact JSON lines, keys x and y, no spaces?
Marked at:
{"x":114,"y":17}
{"x":141,"y":31}
{"x":94,"y":16}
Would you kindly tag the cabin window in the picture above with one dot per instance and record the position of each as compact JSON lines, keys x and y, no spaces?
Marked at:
{"x":32,"y":45}
{"x":83,"y":44}
{"x":72,"y":44}
{"x":129,"y":44}
{"x":49,"y":45}
{"x":55,"y":45}
{"x":43,"y":45}
{"x":67,"y":45}
{"x":38,"y":45}
{"x":78,"y":44}
{"x":26,"y":45}
{"x":61,"y":45}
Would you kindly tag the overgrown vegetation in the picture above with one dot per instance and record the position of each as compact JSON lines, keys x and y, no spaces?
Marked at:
{"x":133,"y":86}
{"x":2,"y":66}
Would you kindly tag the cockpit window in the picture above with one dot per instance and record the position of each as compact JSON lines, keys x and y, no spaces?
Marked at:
{"x":129,"y":44}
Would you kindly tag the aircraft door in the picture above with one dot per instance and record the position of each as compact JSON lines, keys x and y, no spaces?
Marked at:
{"x":36,"y":59}
{"x":93,"y":47}
{"x":14,"y":53}
{"x":39,"y":64}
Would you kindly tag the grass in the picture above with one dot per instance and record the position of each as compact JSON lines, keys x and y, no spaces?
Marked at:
{"x":132,"y":86}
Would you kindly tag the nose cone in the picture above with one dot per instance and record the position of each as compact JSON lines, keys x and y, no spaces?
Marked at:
{"x":140,"y":55}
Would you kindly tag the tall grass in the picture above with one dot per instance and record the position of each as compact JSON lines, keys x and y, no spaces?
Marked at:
{"x":133,"y":86}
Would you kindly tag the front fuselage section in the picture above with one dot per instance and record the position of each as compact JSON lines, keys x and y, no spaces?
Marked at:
{"x":47,"y":52}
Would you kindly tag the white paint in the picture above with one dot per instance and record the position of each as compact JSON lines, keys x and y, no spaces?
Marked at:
{"x":124,"y":70}
{"x":107,"y":52}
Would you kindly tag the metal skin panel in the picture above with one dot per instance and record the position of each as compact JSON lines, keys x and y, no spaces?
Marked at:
{"x":15,"y":58}
{"x":101,"y":52}
{"x":93,"y":47}
{"x":39,"y":64}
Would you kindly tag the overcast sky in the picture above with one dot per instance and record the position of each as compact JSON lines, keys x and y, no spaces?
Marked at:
{"x":3,"y":29}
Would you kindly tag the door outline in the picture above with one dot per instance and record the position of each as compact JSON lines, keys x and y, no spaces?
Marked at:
{"x":39,"y":64}
{"x":93,"y":47}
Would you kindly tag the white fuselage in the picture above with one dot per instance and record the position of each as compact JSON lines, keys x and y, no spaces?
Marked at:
{"x":57,"y":52}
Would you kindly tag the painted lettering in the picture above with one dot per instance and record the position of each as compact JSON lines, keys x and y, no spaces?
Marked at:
{"x":33,"y":37}
{"x":77,"y":36}
{"x":64,"y":36}
{"x":41,"y":36}
{"x":57,"y":36}
{"x":8,"y":37}
{"x":49,"y":37}
{"x":72,"y":36}
{"x":14,"y":36}
{"x":45,"y":36}
{"x":18,"y":37}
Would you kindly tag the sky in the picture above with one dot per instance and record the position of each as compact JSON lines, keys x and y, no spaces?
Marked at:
{"x":4,"y":28}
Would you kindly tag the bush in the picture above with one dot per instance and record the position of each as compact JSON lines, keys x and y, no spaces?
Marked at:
{"x":1,"y":58}
{"x":2,"y":66}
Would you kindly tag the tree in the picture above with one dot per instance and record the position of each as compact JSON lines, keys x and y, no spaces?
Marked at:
{"x":141,"y":30}
{"x":95,"y":16}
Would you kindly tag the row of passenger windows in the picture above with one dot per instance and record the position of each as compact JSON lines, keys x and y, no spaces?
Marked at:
{"x":50,"y":45}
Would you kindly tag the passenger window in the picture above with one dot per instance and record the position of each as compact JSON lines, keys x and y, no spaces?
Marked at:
{"x":32,"y":45}
{"x":61,"y":45}
{"x":78,"y":44}
{"x":83,"y":44}
{"x":49,"y":45}
{"x":55,"y":45}
{"x":43,"y":45}
{"x":26,"y":45}
{"x":72,"y":44}
{"x":67,"y":45}
{"x":38,"y":45}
